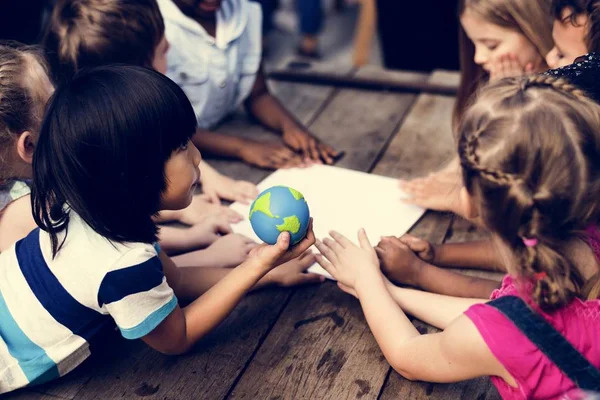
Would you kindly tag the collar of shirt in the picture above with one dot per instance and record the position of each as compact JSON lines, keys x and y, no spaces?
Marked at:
{"x":232,"y":19}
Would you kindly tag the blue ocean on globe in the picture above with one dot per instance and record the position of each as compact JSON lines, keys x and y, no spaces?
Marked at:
{"x":279,"y":209}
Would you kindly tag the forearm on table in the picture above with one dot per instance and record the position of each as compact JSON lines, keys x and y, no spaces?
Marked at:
{"x":208,"y":311}
{"x":175,"y":240}
{"x":219,"y":144}
{"x":387,"y":321}
{"x":480,"y":254}
{"x":435,"y":309}
{"x":271,"y":113}
{"x":450,"y":283}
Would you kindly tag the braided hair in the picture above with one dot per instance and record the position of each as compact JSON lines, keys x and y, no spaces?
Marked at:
{"x":530,"y":154}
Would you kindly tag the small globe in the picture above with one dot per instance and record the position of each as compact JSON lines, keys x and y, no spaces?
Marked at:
{"x":279,"y":209}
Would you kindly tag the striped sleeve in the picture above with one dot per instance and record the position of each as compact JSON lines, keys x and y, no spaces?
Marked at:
{"x":136,"y":294}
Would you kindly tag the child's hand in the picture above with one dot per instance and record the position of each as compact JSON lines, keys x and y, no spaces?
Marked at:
{"x":311,"y":149}
{"x":269,"y":257}
{"x":293,"y":272}
{"x":437,"y":191}
{"x":421,"y":247}
{"x":230,"y":250}
{"x":508,"y":65}
{"x":218,"y":186}
{"x":345,"y":261}
{"x":209,"y":230}
{"x":270,"y":155}
{"x":398,"y":261}
{"x":201,"y":208}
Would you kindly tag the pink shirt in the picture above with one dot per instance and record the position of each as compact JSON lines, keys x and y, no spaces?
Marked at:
{"x":537,"y":377}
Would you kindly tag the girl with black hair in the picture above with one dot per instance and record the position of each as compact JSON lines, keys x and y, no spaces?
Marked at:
{"x":114,"y":149}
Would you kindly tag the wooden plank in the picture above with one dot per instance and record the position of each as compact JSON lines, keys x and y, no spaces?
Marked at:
{"x":209,"y":371}
{"x":321,"y":346}
{"x":28,"y":394}
{"x":424,"y":144}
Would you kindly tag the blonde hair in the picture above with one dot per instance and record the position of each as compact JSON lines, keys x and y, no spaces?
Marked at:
{"x":21,"y":102}
{"x":530,"y":152}
{"x":531,"y":18}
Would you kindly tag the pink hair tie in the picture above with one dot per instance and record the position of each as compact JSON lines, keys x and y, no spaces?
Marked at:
{"x":530,"y":242}
{"x":538,"y":276}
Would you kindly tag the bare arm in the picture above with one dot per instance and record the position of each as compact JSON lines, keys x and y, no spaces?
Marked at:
{"x":268,"y":110}
{"x":405,"y":265}
{"x":480,"y":254}
{"x":179,"y":331}
{"x":16,"y":221}
{"x":450,"y":283}
{"x":435,"y":309}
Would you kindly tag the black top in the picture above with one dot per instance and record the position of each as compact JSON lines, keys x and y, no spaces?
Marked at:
{"x":583,"y":73}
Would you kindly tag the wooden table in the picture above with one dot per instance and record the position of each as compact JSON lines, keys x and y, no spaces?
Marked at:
{"x":311,"y":342}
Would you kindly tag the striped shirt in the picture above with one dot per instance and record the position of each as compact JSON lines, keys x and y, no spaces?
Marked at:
{"x":52,"y":308}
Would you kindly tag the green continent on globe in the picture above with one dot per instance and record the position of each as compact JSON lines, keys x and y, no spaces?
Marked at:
{"x":297,"y":195}
{"x":263,"y":205}
{"x":290,"y":224}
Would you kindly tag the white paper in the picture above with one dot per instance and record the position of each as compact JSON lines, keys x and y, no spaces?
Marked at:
{"x":342,"y":200}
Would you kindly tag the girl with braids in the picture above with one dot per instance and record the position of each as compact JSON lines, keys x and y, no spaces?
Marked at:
{"x":529,"y":150}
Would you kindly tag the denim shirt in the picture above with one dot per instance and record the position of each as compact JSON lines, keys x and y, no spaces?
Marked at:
{"x":216,"y":73}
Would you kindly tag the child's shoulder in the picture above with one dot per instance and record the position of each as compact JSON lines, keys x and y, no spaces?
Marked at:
{"x":11,"y":190}
{"x":582,"y":73}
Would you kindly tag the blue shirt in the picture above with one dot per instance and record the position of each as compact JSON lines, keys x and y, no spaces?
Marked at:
{"x":216,"y":73}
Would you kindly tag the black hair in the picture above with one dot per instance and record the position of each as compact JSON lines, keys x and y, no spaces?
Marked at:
{"x":103,"y":145}
{"x":589,"y":8}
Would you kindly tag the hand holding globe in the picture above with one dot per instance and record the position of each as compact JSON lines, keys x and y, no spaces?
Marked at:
{"x":280,"y":209}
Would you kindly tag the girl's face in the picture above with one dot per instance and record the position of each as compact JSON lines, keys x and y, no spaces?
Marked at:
{"x":159,"y":63}
{"x":492,"y":41}
{"x":182,"y":175}
{"x":569,"y":40}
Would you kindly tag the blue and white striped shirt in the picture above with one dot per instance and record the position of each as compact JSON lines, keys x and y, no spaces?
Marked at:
{"x":50,"y":309}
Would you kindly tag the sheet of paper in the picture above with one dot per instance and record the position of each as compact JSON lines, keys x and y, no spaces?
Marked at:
{"x":343,"y":200}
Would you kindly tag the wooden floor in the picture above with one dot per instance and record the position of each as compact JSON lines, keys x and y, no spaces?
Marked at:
{"x":311,"y":342}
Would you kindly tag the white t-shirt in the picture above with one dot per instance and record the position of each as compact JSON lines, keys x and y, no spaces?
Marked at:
{"x":51,"y":309}
{"x":216,"y":73}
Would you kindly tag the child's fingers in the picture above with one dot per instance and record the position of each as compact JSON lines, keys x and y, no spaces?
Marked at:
{"x":307,"y":279}
{"x":326,"y":251}
{"x":305,"y":261}
{"x":326,"y":265}
{"x":341,"y":239}
{"x":363,"y":240}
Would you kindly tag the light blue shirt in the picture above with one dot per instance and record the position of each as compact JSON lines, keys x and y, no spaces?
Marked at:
{"x":216,"y":73}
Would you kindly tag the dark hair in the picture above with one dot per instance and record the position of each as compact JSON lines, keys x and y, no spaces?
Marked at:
{"x":530,"y":151}
{"x":21,"y":102}
{"x":103,"y":145}
{"x":89,"y":33}
{"x":589,"y":8}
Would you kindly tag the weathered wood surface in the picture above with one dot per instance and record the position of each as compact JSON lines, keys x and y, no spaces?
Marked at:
{"x":321,"y":346}
{"x":311,"y":342}
{"x":424,"y":144}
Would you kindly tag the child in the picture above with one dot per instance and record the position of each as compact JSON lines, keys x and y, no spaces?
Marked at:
{"x":24,"y":90}
{"x":529,"y":150}
{"x":498,"y":38}
{"x":576,"y":30}
{"x":215,"y":57}
{"x":114,"y":149}
{"x":415,"y":262}
{"x":86,"y":33}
